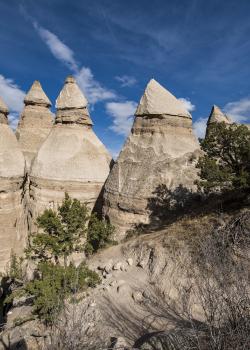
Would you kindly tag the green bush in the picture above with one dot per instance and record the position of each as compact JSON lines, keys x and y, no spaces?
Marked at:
{"x":62,"y":232}
{"x":57,"y":283}
{"x":100,"y":235}
{"x":226,"y":163}
{"x":15,"y":270}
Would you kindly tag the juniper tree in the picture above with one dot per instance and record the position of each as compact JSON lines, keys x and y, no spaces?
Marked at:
{"x":60,"y":233}
{"x":226,"y":162}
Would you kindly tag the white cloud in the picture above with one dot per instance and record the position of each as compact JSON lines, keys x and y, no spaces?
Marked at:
{"x":13,"y":97}
{"x":60,"y":51}
{"x":187,"y":104}
{"x":13,"y":119}
{"x":199,"y":127}
{"x":123,"y":116}
{"x":126,"y":80}
{"x":239,"y":111}
{"x":93,"y":90}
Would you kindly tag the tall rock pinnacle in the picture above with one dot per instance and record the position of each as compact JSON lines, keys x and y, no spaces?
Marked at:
{"x":35,"y":122}
{"x":36,"y":96}
{"x":216,"y":116}
{"x":156,"y":100}
{"x":72,"y":159}
{"x":71,"y":96}
{"x":160,"y":150}
{"x":71,"y":104}
{"x":12,"y":219}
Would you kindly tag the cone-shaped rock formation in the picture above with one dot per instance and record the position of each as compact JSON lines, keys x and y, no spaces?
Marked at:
{"x":72,"y":159}
{"x":217,"y":116}
{"x":35,"y":122}
{"x":160,"y":150}
{"x":12,"y":219}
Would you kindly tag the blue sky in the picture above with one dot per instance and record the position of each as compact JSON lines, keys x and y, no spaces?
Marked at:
{"x":198,"y":49}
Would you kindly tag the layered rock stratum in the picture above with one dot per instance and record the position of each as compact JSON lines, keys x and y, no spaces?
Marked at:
{"x":35,"y":122}
{"x":72,"y":159}
{"x":160,"y":152}
{"x":12,"y":218}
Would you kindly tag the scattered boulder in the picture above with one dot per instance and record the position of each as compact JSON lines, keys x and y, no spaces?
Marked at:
{"x":130,"y":261}
{"x":112,"y":283}
{"x":118,"y":266}
{"x":119,"y":343}
{"x":137,"y":296}
{"x":108,"y":266}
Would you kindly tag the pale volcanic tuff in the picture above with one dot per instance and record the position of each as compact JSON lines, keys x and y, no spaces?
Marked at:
{"x":13,"y":232}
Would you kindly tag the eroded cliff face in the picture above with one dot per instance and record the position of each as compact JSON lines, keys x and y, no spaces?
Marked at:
{"x":35,"y":122}
{"x":160,"y":150}
{"x":12,"y":171}
{"x":72,"y":159}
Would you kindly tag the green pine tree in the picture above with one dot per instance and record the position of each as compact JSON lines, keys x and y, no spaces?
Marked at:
{"x":226,"y":162}
{"x":60,"y":233}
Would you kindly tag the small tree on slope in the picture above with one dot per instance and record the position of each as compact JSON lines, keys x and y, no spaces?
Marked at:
{"x":226,"y":163}
{"x":62,"y":234}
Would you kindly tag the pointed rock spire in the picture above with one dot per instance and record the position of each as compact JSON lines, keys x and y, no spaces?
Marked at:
{"x":36,"y":96}
{"x":3,"y":112}
{"x":156,"y":100}
{"x":160,"y":152}
{"x":71,"y":96}
{"x":72,"y":159}
{"x":71,"y":104}
{"x":217,"y":116}
{"x":35,"y":122}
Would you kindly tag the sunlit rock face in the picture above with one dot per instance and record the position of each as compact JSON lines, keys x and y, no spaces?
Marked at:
{"x":72,"y":159}
{"x":216,"y":116}
{"x":35,"y":122}
{"x":12,"y":219}
{"x":160,"y":152}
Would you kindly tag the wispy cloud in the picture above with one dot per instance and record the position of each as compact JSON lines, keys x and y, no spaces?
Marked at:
{"x":59,"y":50}
{"x":11,"y":93}
{"x":13,"y":97}
{"x":239,"y":111}
{"x":94,"y":90}
{"x":123,"y":116}
{"x":126,"y":80}
{"x":187,"y":104}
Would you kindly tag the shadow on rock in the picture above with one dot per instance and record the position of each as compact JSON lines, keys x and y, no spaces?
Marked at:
{"x":166,"y":206}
